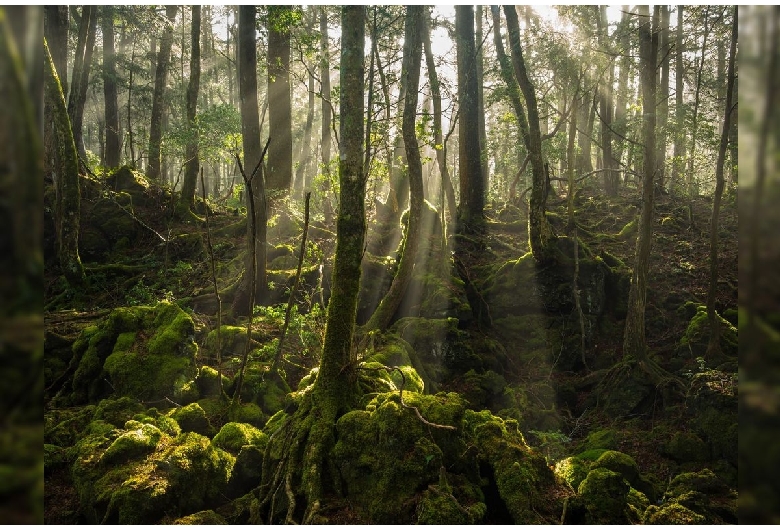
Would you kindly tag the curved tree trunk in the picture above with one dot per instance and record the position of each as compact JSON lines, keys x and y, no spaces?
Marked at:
{"x":109,"y":89}
{"x":158,"y":98}
{"x":68,"y":194}
{"x":539,"y":230}
{"x":192,"y":164}
{"x":410,"y":69}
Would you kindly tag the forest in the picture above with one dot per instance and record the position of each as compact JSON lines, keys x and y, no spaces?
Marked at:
{"x":391,"y":264}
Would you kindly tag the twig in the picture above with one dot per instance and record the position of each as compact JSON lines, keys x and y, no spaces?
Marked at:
{"x":216,"y":289}
{"x":294,"y":287}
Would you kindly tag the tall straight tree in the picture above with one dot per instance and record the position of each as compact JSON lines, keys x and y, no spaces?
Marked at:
{"x":634,"y":344}
{"x":480,"y":39}
{"x":621,"y":124}
{"x":663,"y":96}
{"x":679,"y":108}
{"x":253,"y":153}
{"x":325,"y":134}
{"x":713,"y":347}
{"x":472,"y":188}
{"x":606,"y":108}
{"x":109,"y":88}
{"x":279,"y":104}
{"x":192,"y":162}
{"x":81,"y":68}
{"x":158,"y":97}
{"x":55,"y":29}
{"x":540,"y":232}
{"x":410,"y":70}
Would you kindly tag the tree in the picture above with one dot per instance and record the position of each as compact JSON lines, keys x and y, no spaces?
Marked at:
{"x":692,"y":182}
{"x":109,"y":89}
{"x":663,"y":98}
{"x":187,"y":198}
{"x":325,"y":135}
{"x":472,"y":188}
{"x":713,"y":347}
{"x":158,"y":99}
{"x":540,"y":232}
{"x":412,"y":59}
{"x":68,"y":195}
{"x":81,"y":69}
{"x":679,"y":107}
{"x":253,"y":156}
{"x":480,"y":39}
{"x":279,"y":110}
{"x":56,"y":33}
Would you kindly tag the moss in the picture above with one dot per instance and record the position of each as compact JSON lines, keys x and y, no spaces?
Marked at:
{"x":208,"y":517}
{"x":672,"y":513}
{"x":166,"y":424}
{"x":137,"y":440}
{"x":604,"y":494}
{"x":713,"y":405}
{"x":686,"y":447}
{"x":626,"y":466}
{"x":247,"y":413}
{"x":247,"y":471}
{"x":275,"y":422}
{"x":64,"y":427}
{"x":118,"y":411}
{"x":233,"y":436}
{"x":232,"y":340}
{"x":208,"y":381}
{"x":572,"y":471}
{"x":628,"y":230}
{"x":638,"y":500}
{"x":697,"y":335}
{"x":591,"y":454}
{"x":602,"y":439}
{"x":192,"y":418}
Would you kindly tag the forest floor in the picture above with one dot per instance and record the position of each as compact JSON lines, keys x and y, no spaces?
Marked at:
{"x":145,"y":257}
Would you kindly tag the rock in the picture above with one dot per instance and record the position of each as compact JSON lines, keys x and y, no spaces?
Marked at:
{"x":604,"y":494}
{"x":686,"y":447}
{"x":205,"y":517}
{"x":192,"y":418}
{"x":233,"y":436}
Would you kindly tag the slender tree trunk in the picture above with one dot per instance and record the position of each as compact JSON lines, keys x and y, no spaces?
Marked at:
{"x":438,"y":139}
{"x":68,"y":194}
{"x":153,"y":170}
{"x":634,"y":343}
{"x":253,"y":153}
{"x":325,"y":133}
{"x":279,"y":177}
{"x":481,"y":101}
{"x":693,"y":186}
{"x":664,"y":53}
{"x":192,"y":163}
{"x":679,"y":108}
{"x":540,"y":232}
{"x":81,"y":69}
{"x":585,"y":139}
{"x":621,"y":125}
{"x":472,"y":187}
{"x":56,"y":33}
{"x":611,"y":180}
{"x":412,"y":58}
{"x":303,"y":175}
{"x":112,"y":151}
{"x":713,"y":347}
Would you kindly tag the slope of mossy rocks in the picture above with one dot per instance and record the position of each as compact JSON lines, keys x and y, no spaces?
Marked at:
{"x":147,"y":352}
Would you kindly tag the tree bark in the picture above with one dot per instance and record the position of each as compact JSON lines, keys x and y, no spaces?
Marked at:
{"x":68,"y":194}
{"x":81,"y":68}
{"x":611,"y":180}
{"x":303,"y":175}
{"x":325,"y":133}
{"x":481,"y":101}
{"x":663,"y":97}
{"x":158,"y":97}
{"x":112,"y":154}
{"x":192,"y":164}
{"x":412,"y":59}
{"x":540,"y":232}
{"x":713,"y":347}
{"x":634,"y":343}
{"x":253,"y":153}
{"x":679,"y":108}
{"x":279,"y":170}
{"x":472,"y":187}
{"x":621,"y":124}
{"x":56,"y":33}
{"x":693,"y":187}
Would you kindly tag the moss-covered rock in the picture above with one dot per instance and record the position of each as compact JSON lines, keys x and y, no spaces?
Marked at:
{"x":137,"y":440}
{"x":204,"y":517}
{"x":208,"y":381}
{"x":713,"y":406}
{"x":192,"y":418}
{"x":686,"y":447}
{"x":696,"y":337}
{"x":672,"y":513}
{"x":233,"y":436}
{"x":628,"y":469}
{"x":703,"y":494}
{"x":572,"y":471}
{"x":604,"y":494}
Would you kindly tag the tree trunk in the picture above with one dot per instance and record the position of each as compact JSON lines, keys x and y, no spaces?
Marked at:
{"x":693,"y":187}
{"x":621,"y":124}
{"x":303,"y":174}
{"x":325,"y":133}
{"x":713,"y":347}
{"x":68,"y":194}
{"x":279,"y":106}
{"x":56,"y":33}
{"x":112,"y":154}
{"x":634,"y":344}
{"x":158,"y":98}
{"x":253,"y":153}
{"x":481,"y":101}
{"x":81,"y":69}
{"x":438,"y":139}
{"x":412,"y":59}
{"x":472,"y":188}
{"x":192,"y":163}
{"x":679,"y":109}
{"x":611,"y":180}
{"x":540,"y":232}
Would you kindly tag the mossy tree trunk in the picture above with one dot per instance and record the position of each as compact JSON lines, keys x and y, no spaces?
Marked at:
{"x":279,"y":176}
{"x":81,"y":68}
{"x":310,"y":433}
{"x":253,"y":153}
{"x":68,"y":195}
{"x":634,"y":344}
{"x":541,"y":236}
{"x":326,"y":109}
{"x":410,"y":70}
{"x":192,"y":164}
{"x":158,"y":97}
{"x":713,"y":347}
{"x":472,"y":186}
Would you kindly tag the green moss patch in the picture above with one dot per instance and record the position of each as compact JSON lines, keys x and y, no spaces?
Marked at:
{"x":233,"y":436}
